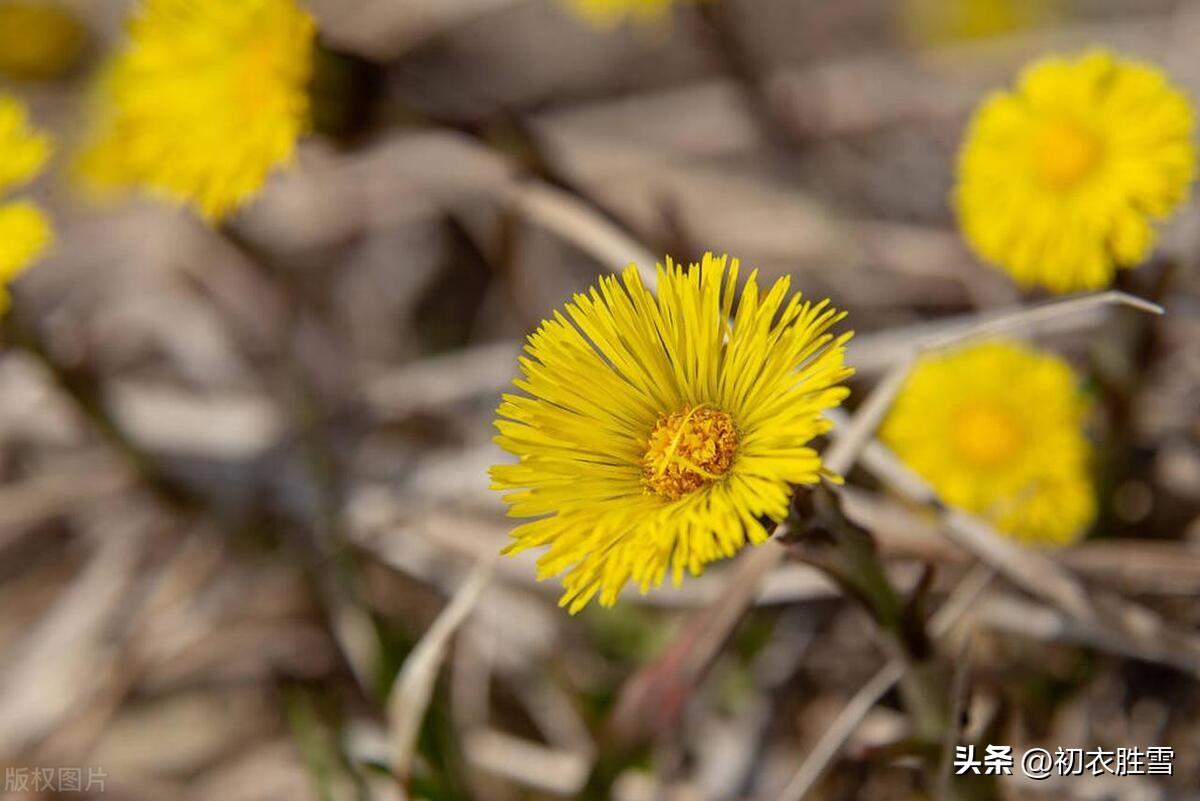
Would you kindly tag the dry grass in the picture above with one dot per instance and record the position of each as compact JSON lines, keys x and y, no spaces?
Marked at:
{"x":244,"y":494}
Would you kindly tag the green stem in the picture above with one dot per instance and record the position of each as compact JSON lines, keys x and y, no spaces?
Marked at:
{"x":821,"y":535}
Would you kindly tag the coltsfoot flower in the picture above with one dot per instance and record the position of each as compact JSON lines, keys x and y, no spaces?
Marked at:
{"x":997,"y":430}
{"x":665,"y":432}
{"x":935,"y":22}
{"x":24,"y":236}
{"x":610,"y":13}
{"x":205,"y":101}
{"x":23,"y":150}
{"x":24,"y":231}
{"x":1061,"y":181}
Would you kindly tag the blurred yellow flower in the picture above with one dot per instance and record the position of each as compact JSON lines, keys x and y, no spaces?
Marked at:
{"x":24,"y":236}
{"x":934,"y":22}
{"x":610,"y":13}
{"x":997,"y":430}
{"x":1061,"y":180}
{"x":208,"y":97}
{"x":658,"y":432}
{"x":38,"y":39}
{"x":23,"y":151}
{"x":24,"y":232}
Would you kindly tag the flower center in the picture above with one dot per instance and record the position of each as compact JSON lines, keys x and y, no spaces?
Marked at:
{"x":1065,"y":153}
{"x":986,"y":434}
{"x":688,"y":450}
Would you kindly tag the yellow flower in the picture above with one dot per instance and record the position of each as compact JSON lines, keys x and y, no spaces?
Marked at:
{"x":932,"y":22}
{"x":23,"y":151}
{"x":1061,"y":180}
{"x":659,"y":432}
{"x":24,"y":236}
{"x":997,"y":430}
{"x":24,"y":232}
{"x":206,"y":100}
{"x":38,"y":39}
{"x":609,"y":13}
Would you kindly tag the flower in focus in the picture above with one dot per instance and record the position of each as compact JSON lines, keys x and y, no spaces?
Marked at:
{"x":609,"y":13}
{"x":934,"y":22}
{"x":1061,"y":180}
{"x":997,"y":430}
{"x":207,"y":98}
{"x":660,"y":432}
{"x":24,"y":231}
{"x":38,"y":39}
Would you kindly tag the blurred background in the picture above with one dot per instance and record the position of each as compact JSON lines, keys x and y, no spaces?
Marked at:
{"x":246,"y":473}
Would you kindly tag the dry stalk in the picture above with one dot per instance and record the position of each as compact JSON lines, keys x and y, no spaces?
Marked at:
{"x":413,"y":687}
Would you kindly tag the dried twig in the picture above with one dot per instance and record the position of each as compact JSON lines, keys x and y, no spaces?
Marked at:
{"x":67,"y":656}
{"x":1020,"y":319}
{"x":413,"y":686}
{"x":578,"y":223}
{"x":29,"y":502}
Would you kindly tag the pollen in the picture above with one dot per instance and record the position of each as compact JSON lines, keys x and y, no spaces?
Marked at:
{"x":1065,"y":153}
{"x":687,"y":450}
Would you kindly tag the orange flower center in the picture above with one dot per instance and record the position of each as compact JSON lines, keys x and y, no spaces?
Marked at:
{"x":1065,"y":153}
{"x":687,"y":450}
{"x":986,"y":434}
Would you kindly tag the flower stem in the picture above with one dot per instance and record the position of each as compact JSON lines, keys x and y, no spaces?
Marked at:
{"x":820,"y":534}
